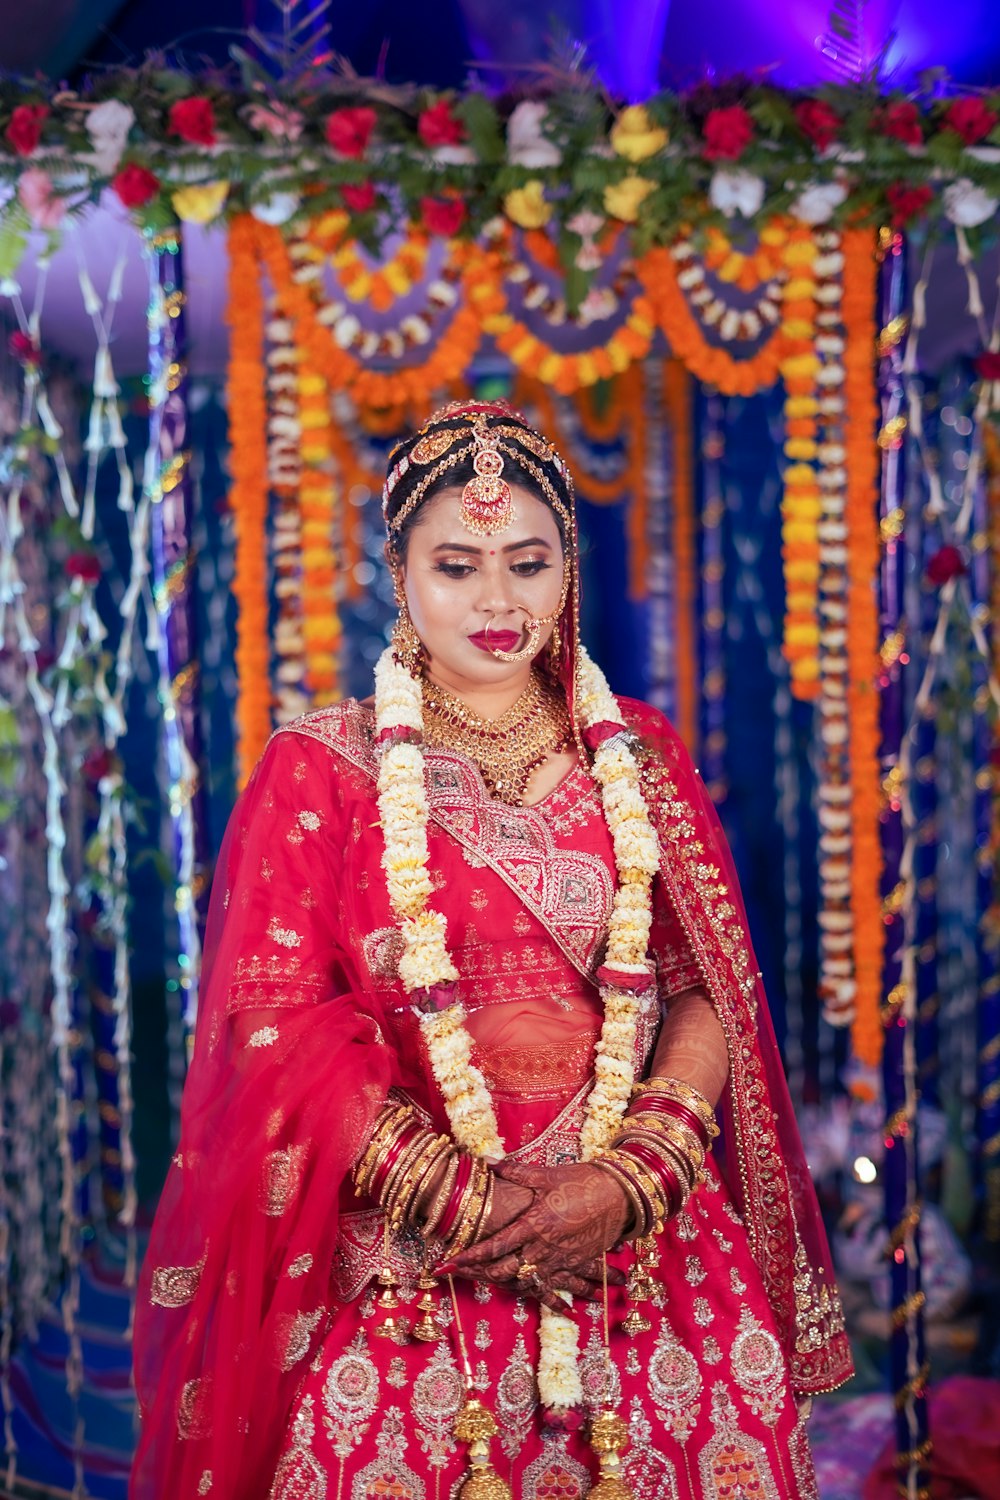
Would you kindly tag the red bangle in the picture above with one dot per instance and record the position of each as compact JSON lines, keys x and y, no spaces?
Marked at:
{"x":654,"y":1165}
{"x":675,"y":1111}
{"x":447,"y":1225}
{"x":394,"y":1151}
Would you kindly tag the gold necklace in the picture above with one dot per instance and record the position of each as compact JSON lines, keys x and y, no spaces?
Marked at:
{"x":506,"y":749}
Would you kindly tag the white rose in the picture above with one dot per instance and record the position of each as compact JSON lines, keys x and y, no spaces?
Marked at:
{"x":968,"y":205}
{"x":108,"y":125}
{"x":736,"y":191}
{"x":817,"y":202}
{"x":277,"y":209}
{"x":527,"y":145}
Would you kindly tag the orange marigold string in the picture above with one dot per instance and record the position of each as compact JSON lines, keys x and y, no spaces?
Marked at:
{"x":677,"y":394}
{"x":863,"y":542}
{"x":800,"y":504}
{"x":714,"y":366}
{"x":247,"y":406}
{"x":449,"y":353}
{"x":321,"y":630}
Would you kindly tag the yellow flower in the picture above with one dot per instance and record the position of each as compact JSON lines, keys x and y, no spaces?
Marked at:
{"x":634,"y":135}
{"x":528,"y":206}
{"x":201,"y":202}
{"x":622,"y":200}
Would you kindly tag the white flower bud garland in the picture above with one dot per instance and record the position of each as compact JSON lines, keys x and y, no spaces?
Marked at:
{"x":426,"y":966}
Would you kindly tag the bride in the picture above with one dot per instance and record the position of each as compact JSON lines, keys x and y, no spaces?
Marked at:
{"x":488,"y":1181}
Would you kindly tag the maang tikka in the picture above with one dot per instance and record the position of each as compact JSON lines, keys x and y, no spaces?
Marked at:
{"x":487,"y":503}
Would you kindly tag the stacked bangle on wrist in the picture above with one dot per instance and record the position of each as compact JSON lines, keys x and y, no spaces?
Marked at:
{"x":658,"y":1155}
{"x":399,"y":1161}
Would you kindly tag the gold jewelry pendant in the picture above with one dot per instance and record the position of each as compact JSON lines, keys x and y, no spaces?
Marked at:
{"x":428,"y":1330}
{"x":407,"y":646}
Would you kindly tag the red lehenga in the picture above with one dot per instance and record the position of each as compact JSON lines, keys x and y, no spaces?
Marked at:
{"x":259,"y":1364}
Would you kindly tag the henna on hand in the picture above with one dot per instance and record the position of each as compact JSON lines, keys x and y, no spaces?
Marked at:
{"x":577,"y":1213}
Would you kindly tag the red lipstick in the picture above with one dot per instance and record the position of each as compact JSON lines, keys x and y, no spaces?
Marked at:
{"x":496,"y":640}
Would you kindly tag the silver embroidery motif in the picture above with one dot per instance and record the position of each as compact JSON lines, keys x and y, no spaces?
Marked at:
{"x":264,"y":1036}
{"x":516,"y":1399}
{"x":438,"y":1393}
{"x":674,"y":1384}
{"x":286,"y":936}
{"x":299,"y":1475}
{"x":388,"y":1473}
{"x":350,"y":1398}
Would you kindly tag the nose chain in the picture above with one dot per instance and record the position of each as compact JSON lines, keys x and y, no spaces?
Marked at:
{"x":506,"y":749}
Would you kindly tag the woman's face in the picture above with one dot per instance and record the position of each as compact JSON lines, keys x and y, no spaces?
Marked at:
{"x":457,"y":584}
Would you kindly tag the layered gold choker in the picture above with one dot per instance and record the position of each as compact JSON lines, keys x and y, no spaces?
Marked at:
{"x":506,"y":749}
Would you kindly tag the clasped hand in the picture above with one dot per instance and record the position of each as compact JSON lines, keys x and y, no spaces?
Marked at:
{"x":559,"y":1221}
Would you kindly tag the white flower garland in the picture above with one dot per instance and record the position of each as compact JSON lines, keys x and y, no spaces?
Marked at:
{"x":426,"y":963}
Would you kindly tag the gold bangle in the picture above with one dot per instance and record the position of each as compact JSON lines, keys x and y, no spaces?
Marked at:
{"x":468,"y":1216}
{"x":388,"y":1128}
{"x":396,"y":1181}
{"x":671,"y":1152}
{"x":435,"y":1212}
{"x":398,"y":1199}
{"x":681,"y":1093}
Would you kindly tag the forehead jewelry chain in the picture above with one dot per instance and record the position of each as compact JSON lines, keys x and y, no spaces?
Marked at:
{"x":487,"y":503}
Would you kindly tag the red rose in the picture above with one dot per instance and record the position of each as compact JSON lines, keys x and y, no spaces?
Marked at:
{"x":83,"y":565}
{"x":23,"y":347}
{"x":359,"y":197}
{"x":946,"y":563}
{"x":906,"y":202}
{"x":437,"y":126}
{"x":193,"y":120}
{"x":987,"y":365}
{"x":902,"y":121}
{"x":25,"y":128}
{"x":818,"y":121}
{"x":728,"y":132}
{"x":135,"y":185}
{"x":349,"y":130}
{"x":98,"y":764}
{"x":444,"y":216}
{"x":970,"y":119}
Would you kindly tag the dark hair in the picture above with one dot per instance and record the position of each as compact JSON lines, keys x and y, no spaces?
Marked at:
{"x":515,"y":471}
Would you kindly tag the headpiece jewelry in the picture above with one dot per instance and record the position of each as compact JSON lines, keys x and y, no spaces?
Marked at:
{"x":487,"y":503}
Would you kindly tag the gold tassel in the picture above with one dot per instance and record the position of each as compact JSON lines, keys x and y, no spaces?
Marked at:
{"x":609,"y":1439}
{"x":475,"y":1426}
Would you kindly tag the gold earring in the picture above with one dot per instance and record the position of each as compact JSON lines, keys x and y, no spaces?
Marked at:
{"x":407,"y":646}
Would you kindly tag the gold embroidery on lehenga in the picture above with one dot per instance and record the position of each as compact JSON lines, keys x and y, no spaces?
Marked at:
{"x":732,"y":1463}
{"x":280,"y":1179}
{"x":300,"y":1475}
{"x":602,"y":1384}
{"x":396,"y":1375}
{"x":300,"y":1265}
{"x":264,"y":1036}
{"x":694,"y":1271}
{"x":555,"y":1474}
{"x":438,"y":1393}
{"x":759,"y":1368}
{"x":293,"y":1333}
{"x":175,"y":1286}
{"x":711,"y":1353}
{"x":389,"y":1475}
{"x":517,"y":1398}
{"x":193,"y":1418}
{"x":287,"y":937}
{"x":674,"y":1384}
{"x":383,"y":949}
{"x":350,"y":1398}
{"x":484,"y":1335}
{"x":648,"y":1473}
{"x":205,"y":1482}
{"x":806,"y":1486}
{"x":703,"y":1314}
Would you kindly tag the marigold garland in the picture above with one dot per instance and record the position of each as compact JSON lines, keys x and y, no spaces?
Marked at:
{"x":800,"y":502}
{"x":246,"y":403}
{"x":863,"y":542}
{"x":716,"y":366}
{"x":564,"y":373}
{"x":321,"y":629}
{"x":449,"y":353}
{"x":677,"y":395}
